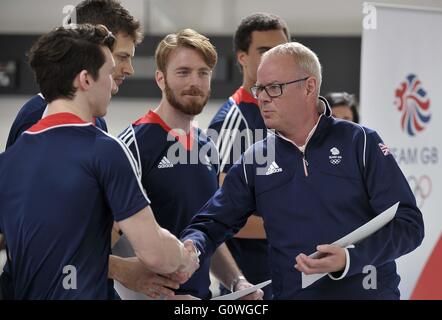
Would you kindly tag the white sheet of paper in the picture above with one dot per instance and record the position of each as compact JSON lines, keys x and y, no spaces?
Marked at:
{"x":127,"y":294}
{"x":352,"y":238}
{"x":241,"y":293}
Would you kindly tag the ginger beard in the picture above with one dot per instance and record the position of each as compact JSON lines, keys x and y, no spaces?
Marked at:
{"x":193,"y":107}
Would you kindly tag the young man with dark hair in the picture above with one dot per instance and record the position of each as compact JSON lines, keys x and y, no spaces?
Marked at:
{"x":122,"y":24}
{"x":58,"y":227}
{"x":117,"y":18}
{"x":127,"y":31}
{"x":238,"y":125}
{"x":177,"y":161}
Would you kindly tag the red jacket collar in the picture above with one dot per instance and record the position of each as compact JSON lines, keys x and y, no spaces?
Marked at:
{"x":57,"y":119}
{"x":242,"y":95}
{"x":151,"y":117}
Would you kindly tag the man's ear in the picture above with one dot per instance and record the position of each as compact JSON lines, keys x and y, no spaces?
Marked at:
{"x":83,"y":80}
{"x":160,"y":79}
{"x":312,"y":84}
{"x":241,"y":57}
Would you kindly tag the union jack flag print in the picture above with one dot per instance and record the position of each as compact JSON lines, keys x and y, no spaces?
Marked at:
{"x":385,"y":150}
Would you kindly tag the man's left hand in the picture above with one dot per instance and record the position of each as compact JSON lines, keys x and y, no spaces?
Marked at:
{"x":333,"y":260}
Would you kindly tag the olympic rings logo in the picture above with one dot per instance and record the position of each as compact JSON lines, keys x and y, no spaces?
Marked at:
{"x":421,"y":188}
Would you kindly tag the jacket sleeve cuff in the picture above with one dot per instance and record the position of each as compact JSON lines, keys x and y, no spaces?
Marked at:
{"x":340,"y":275}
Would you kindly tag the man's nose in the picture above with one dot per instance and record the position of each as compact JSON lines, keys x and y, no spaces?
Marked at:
{"x":128,"y":69}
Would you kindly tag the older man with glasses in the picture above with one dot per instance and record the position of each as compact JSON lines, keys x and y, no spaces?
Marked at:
{"x":325,"y":178}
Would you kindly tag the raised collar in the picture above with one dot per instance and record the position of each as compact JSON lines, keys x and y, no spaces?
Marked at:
{"x":185,"y":139}
{"x":60,"y":119}
{"x":243,"y":96}
{"x":309,"y":136}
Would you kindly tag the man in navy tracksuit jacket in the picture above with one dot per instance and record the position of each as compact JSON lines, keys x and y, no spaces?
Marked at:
{"x":325,"y":178}
{"x":178,"y":163}
{"x":127,"y":32}
{"x":237,"y":125}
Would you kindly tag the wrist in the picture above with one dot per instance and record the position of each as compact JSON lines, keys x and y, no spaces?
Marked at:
{"x":338,"y":275}
{"x":114,"y":263}
{"x":236,"y":281}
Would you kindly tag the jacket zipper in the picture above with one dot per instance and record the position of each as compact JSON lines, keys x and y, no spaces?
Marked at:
{"x":305,"y":163}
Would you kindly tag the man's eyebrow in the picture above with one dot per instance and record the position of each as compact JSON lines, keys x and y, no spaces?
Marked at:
{"x":263,"y":49}
{"x":182,"y":68}
{"x":123,"y":54}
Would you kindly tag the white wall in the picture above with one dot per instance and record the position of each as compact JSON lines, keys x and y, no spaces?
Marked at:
{"x":313,"y":17}
{"x":35,"y":17}
{"x":121,"y":113}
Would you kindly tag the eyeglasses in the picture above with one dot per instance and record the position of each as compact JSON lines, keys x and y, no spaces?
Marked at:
{"x":273,"y":90}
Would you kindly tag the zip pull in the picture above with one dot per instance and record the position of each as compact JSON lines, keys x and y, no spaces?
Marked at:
{"x":305,"y":162}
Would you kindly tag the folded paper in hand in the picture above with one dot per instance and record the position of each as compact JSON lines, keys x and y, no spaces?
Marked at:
{"x":352,"y":238}
{"x":241,"y":293}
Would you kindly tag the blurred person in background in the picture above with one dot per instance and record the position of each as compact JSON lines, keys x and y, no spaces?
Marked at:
{"x":240,"y":116}
{"x":343,"y":105}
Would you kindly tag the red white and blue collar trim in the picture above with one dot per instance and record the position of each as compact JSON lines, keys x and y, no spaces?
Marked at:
{"x":243,"y":96}
{"x":62,"y":119}
{"x":151,"y":117}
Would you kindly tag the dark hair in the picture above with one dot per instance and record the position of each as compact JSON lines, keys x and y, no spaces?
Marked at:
{"x":257,"y":22}
{"x":343,"y":98}
{"x":112,"y":14}
{"x":57,"y":57}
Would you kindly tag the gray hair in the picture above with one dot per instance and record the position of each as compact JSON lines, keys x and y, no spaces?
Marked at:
{"x":305,"y":58}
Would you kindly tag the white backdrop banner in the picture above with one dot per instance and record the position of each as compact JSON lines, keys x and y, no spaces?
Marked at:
{"x":401,"y":98}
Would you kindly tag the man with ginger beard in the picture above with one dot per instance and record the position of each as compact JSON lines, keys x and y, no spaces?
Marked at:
{"x":177,"y":162}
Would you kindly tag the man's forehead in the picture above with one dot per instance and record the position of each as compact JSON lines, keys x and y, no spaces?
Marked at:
{"x":279,"y":61}
{"x":125,"y":36}
{"x":268,"y":62}
{"x":124,"y":43}
{"x":274,"y":67}
{"x":268,"y":38}
{"x":186,"y":58}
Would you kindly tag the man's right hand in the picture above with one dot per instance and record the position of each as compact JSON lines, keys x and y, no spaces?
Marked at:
{"x":190,"y":260}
